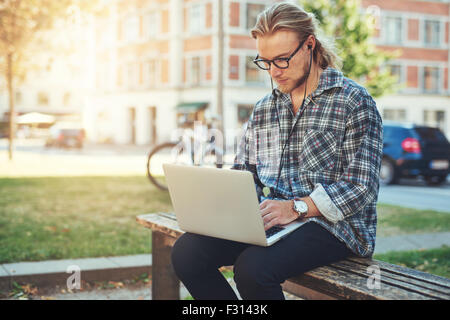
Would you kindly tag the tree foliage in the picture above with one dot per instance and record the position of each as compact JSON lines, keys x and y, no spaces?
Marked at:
{"x":21,"y":25}
{"x":352,"y":28}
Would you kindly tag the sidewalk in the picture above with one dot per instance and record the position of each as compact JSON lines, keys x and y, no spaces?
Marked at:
{"x":56,"y":272}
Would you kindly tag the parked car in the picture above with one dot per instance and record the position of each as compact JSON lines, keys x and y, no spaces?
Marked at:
{"x":66,"y":137}
{"x":411,"y":150}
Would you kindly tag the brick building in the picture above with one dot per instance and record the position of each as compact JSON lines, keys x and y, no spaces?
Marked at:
{"x":154,"y":65}
{"x":157,"y":65}
{"x":420,"y":29}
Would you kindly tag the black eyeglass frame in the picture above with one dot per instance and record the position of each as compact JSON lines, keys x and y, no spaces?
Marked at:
{"x":256,"y":60}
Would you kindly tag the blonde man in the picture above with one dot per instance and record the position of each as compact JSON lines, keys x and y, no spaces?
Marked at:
{"x":314,"y":146}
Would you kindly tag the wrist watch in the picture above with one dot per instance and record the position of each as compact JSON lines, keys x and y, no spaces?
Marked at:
{"x":301,"y":208}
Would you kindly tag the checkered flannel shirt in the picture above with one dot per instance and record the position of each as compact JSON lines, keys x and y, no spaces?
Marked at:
{"x":334,"y":155}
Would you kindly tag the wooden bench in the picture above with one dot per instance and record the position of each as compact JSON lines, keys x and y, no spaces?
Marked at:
{"x":346,"y":279}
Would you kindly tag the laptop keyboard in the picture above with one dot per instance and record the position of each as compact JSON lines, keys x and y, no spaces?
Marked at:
{"x":275,"y":229}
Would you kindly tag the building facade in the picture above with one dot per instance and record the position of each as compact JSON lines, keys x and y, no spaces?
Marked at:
{"x":57,"y":78}
{"x":420,"y":30}
{"x":157,"y":65}
{"x":151,"y":66}
{"x":157,"y":68}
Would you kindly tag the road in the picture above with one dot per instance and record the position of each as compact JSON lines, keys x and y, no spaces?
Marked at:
{"x":33,"y":159}
{"x":414,"y":193}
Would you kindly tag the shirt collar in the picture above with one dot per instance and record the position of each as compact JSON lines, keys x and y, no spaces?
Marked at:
{"x":330,"y":78}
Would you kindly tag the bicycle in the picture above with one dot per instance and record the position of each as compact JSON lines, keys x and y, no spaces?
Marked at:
{"x":188,"y":150}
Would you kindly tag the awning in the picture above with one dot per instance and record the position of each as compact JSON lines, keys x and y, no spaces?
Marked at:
{"x":190,"y":107}
{"x":35,"y":117}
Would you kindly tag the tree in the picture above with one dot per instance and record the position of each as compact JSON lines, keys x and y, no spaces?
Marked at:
{"x":352,"y":30}
{"x":21,"y":24}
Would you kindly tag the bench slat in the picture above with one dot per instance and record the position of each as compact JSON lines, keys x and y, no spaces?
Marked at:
{"x":411,"y":273}
{"x":395,"y":280}
{"x":350,"y":285}
{"x":161,"y":223}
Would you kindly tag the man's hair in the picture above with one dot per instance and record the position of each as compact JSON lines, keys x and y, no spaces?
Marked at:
{"x":288,"y":16}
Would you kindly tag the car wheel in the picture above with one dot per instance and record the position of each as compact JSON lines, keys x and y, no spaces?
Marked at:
{"x":435,"y":180}
{"x":388,"y":173}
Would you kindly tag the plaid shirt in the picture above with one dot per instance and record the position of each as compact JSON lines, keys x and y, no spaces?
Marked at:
{"x":333,"y":156}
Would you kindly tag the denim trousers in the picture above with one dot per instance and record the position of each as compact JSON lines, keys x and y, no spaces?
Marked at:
{"x":258,"y":271}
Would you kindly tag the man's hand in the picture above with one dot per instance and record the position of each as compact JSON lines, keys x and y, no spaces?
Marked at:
{"x":277,"y":212}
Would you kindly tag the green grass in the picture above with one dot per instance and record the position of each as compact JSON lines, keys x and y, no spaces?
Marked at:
{"x":395,"y":220}
{"x":75,"y":217}
{"x":435,"y":261}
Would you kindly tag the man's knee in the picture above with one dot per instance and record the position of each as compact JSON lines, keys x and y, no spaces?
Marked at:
{"x":188,"y":255}
{"x":182,"y":255}
{"x":249,"y":272}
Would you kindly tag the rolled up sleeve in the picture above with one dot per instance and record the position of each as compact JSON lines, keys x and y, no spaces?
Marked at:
{"x":362,"y":151}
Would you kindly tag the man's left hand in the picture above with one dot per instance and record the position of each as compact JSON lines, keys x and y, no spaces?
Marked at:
{"x":277,"y":212}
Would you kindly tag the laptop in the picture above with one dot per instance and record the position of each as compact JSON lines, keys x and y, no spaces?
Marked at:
{"x":220,"y":203}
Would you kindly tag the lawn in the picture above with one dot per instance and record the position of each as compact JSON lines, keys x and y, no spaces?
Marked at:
{"x":75,"y":217}
{"x":78,"y":217}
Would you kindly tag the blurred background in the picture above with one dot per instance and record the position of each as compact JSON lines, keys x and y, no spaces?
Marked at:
{"x":89,"y":87}
{"x":130,"y":72}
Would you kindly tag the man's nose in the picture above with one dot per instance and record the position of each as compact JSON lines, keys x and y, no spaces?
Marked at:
{"x":275,"y":71}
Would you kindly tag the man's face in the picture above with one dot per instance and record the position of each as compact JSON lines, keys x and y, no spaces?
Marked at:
{"x":282,"y":44}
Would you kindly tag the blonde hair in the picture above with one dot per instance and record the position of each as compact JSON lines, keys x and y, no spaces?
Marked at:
{"x":288,"y":16}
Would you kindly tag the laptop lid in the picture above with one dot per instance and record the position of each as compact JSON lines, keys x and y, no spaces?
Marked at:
{"x":216,"y":202}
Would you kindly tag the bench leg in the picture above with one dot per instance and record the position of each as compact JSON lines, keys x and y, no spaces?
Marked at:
{"x":165,"y":283}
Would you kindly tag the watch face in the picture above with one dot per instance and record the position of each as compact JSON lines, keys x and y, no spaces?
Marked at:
{"x":301,"y":206}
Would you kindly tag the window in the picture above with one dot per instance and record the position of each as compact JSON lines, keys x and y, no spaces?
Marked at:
{"x":195,"y":70}
{"x":151,"y":25}
{"x":394,"y":114}
{"x":252,"y":72}
{"x":431,"y":80}
{"x":252,"y":13}
{"x":66,"y":99}
{"x":393,"y":30}
{"x":131,"y":74}
{"x":434,"y":118}
{"x":42,"y":99}
{"x":119,"y":79}
{"x":152,"y":72}
{"x":244,"y":112}
{"x":131,"y":28}
{"x":432,"y":32}
{"x":396,"y":71}
{"x":196,"y":19}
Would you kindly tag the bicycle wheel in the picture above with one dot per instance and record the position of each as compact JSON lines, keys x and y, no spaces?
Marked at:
{"x":170,"y":152}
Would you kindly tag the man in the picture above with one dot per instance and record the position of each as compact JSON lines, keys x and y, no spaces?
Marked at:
{"x":315,"y":143}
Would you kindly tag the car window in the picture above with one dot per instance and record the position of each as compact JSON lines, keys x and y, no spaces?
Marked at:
{"x":431,"y":134}
{"x":392,"y":132}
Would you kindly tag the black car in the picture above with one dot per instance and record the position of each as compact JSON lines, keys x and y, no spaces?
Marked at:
{"x":411,"y":150}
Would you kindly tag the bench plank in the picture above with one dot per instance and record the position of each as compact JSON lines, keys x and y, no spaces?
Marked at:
{"x":413,"y":274}
{"x":346,"y":279}
{"x":161,"y":222}
{"x":351,"y":285}
{"x":396,"y":281}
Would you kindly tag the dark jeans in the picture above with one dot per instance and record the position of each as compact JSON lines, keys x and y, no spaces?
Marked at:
{"x":258,"y":271}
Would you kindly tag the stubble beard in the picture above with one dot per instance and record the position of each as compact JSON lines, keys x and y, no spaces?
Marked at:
{"x":286,"y":89}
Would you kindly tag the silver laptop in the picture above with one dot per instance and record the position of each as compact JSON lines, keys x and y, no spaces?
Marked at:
{"x":221,"y":203}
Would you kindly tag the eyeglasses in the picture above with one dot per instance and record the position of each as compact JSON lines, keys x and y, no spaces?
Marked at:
{"x":281,"y":63}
